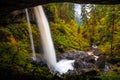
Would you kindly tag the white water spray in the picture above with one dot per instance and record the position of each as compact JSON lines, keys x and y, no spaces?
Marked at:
{"x":30,"y":33}
{"x":64,"y":66}
{"x":47,"y":43}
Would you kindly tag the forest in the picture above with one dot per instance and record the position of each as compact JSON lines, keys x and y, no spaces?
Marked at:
{"x":96,"y":24}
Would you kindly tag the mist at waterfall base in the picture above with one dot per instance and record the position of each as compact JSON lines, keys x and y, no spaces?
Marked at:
{"x":31,"y":37}
{"x":63,"y":66}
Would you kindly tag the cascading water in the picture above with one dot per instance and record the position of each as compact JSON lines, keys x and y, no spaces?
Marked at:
{"x":30,"y":33}
{"x":48,"y":48}
{"x":47,"y":43}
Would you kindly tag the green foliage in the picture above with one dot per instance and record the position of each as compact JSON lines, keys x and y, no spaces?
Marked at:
{"x":67,"y":35}
{"x":15,"y":50}
{"x":102,"y":28}
{"x":5,"y":34}
{"x":10,"y":55}
{"x":15,"y":45}
{"x":64,"y":11}
{"x":109,"y":77}
{"x":19,"y":31}
{"x":112,"y":75}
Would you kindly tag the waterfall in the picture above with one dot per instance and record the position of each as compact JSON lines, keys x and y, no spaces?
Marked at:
{"x":30,"y":33}
{"x":47,"y":43}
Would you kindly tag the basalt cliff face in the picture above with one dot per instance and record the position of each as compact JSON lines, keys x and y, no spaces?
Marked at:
{"x":7,"y":6}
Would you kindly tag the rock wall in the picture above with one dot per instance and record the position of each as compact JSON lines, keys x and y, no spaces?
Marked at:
{"x":7,"y":6}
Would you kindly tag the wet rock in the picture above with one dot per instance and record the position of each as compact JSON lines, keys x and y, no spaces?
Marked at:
{"x":118,"y":64}
{"x":91,"y":73}
{"x":38,"y":62}
{"x":73,"y":55}
{"x":84,"y":62}
{"x":106,"y":69}
{"x":97,"y":52}
{"x":90,"y":59}
{"x":100,"y":62}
